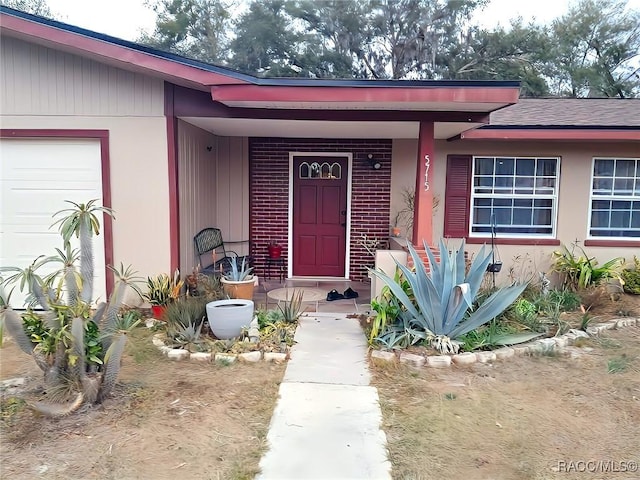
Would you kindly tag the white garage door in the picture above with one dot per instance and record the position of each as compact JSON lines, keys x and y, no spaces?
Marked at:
{"x":36,"y":177}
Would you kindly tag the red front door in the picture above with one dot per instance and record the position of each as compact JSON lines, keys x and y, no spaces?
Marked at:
{"x":319,"y":216}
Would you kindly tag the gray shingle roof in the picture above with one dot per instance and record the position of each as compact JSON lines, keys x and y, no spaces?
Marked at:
{"x":567,"y":112}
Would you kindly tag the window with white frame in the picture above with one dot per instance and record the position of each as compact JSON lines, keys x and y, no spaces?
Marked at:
{"x":615,"y":198}
{"x":517,"y":195}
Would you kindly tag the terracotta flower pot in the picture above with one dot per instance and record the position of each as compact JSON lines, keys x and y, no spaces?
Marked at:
{"x":241,"y":289}
{"x":158,"y":311}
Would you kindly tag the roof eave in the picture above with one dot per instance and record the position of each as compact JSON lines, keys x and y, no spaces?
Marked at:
{"x":365,"y":95}
{"x":113,"y":51}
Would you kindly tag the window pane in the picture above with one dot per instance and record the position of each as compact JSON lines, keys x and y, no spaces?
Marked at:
{"x":522,"y":216}
{"x":602,"y":186}
{"x":620,"y":205}
{"x":541,"y":216}
{"x":502,"y":202}
{"x":546,"y":167}
{"x":545,"y":186}
{"x":504,"y":184}
{"x":484,"y":166}
{"x":525,"y":166}
{"x":625,"y":168}
{"x":482,"y":216}
{"x":623,"y":186}
{"x":525,"y":184}
{"x":620,"y":219}
{"x":523,"y":202}
{"x":504,"y":166}
{"x":603,"y":168}
{"x":483,"y":181}
{"x":601,"y":205}
{"x":502,"y":216}
{"x":600,"y":218}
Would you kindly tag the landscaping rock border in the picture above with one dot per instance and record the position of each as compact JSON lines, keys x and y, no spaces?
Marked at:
{"x":179,"y":354}
{"x":561,"y":343}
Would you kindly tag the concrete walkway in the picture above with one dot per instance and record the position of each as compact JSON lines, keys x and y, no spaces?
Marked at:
{"x":326,"y":424}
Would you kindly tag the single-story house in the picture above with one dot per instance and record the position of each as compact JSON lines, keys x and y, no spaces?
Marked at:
{"x":175,"y":145}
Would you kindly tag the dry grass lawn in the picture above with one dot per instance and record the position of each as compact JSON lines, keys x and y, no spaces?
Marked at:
{"x":525,"y":418}
{"x":165,"y":420}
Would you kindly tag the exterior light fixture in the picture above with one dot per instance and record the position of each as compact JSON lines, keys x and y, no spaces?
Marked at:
{"x":375,"y":164}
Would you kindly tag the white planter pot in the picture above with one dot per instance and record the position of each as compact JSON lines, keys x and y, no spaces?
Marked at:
{"x":227,"y":318}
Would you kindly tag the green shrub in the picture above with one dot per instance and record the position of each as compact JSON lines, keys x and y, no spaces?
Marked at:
{"x":631,"y":277}
{"x":581,"y":271}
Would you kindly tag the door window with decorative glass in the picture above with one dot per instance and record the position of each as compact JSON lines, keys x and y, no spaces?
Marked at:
{"x":615,"y":198}
{"x":515,"y":195}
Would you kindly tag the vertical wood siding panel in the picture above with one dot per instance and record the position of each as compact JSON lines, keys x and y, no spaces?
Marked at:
{"x":196,"y":188}
{"x":41,"y":81}
{"x":223,"y":188}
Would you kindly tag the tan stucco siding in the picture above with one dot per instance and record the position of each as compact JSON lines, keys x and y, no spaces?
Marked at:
{"x":37,"y":80}
{"x":573,"y":197}
{"x":139,"y":184}
{"x":213,"y":189}
{"x":573,"y":194}
{"x":403,"y":177}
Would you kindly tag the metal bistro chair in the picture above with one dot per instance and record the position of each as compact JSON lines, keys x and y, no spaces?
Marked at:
{"x":206,"y":242}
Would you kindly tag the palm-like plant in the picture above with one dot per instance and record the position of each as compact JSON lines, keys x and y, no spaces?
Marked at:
{"x":443,"y":297}
{"x":82,"y":222}
{"x":84,"y":347}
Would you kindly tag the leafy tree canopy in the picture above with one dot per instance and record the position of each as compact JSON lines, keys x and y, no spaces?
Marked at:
{"x":593,"y":50}
{"x":36,"y":7}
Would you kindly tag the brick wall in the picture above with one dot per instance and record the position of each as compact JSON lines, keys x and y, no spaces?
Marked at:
{"x":269,"y":193}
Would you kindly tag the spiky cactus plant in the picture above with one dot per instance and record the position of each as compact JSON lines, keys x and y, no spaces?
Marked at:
{"x":83,"y":347}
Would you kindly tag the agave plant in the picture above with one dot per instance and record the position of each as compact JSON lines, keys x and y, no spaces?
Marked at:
{"x":78,"y":348}
{"x":292,"y":308}
{"x":443,"y":298}
{"x":240,"y":272}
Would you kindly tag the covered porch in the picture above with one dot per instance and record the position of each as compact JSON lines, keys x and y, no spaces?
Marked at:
{"x":318,"y":167}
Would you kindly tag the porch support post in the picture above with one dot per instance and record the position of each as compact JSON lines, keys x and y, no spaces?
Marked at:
{"x":423,"y":207}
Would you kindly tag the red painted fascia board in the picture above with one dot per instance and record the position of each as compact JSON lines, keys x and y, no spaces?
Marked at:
{"x":264,"y":93}
{"x":130,"y":59}
{"x":612,"y":243}
{"x":103,"y":137}
{"x":551,"y":134}
{"x":172,"y":164}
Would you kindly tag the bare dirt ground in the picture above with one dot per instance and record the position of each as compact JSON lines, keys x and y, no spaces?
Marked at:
{"x":165,"y":420}
{"x":545,"y":417}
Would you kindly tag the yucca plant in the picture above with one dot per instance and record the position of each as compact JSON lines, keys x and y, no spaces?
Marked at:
{"x":443,"y":298}
{"x":78,"y":348}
